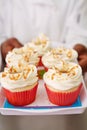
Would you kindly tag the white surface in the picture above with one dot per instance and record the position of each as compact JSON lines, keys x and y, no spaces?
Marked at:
{"x":42,"y":100}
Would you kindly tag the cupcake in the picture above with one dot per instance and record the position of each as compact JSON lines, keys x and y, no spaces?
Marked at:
{"x":49,"y":60}
{"x":20,"y":85}
{"x":56,"y":54}
{"x":63,"y":84}
{"x":22,"y":55}
{"x":41,"y":45}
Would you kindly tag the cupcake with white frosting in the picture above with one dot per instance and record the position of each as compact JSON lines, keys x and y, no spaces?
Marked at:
{"x":41,"y":45}
{"x":63,"y":84}
{"x":20,"y":85}
{"x":57,"y":54}
{"x":23,"y":55}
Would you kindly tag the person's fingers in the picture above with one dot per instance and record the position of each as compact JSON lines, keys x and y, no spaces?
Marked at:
{"x":8,"y":45}
{"x":83,"y":63}
{"x":81,"y":49}
{"x":15,"y":43}
{"x":6,"y":50}
{"x":83,"y":56}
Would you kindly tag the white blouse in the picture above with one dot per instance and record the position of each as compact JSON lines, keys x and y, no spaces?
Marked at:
{"x":61,"y":20}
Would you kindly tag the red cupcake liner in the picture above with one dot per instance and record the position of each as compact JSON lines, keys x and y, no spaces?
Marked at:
{"x":63,"y":98}
{"x":21,"y":98}
{"x":40,"y":62}
{"x":46,"y":69}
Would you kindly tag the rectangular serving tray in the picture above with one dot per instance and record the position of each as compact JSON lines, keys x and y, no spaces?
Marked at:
{"x":42,"y":106}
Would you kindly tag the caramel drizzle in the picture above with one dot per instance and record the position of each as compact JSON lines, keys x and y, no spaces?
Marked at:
{"x":15,"y":75}
{"x":66,"y":69}
{"x":69,"y":54}
{"x":41,"y":40}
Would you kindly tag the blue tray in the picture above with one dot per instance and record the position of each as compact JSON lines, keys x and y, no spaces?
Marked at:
{"x":76,"y":104}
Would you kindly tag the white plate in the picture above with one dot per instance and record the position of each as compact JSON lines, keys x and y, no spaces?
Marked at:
{"x":42,"y":106}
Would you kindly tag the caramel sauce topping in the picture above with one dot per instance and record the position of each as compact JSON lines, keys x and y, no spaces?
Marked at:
{"x":65,"y":69}
{"x":26,"y":58}
{"x":4,"y":74}
{"x":12,"y":70}
{"x":14,"y":77}
{"x":52,"y":76}
{"x":40,"y":41}
{"x":69,"y":54}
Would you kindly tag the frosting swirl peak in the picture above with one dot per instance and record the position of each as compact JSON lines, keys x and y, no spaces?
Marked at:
{"x":13,"y":77}
{"x":64,"y":78}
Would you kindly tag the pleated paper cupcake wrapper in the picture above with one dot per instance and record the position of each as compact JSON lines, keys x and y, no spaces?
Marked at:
{"x":21,"y":98}
{"x":46,"y":69}
{"x":63,"y":98}
{"x":40,"y":62}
